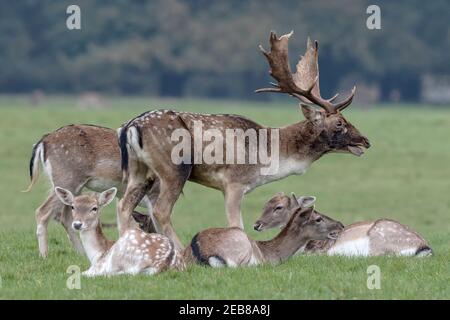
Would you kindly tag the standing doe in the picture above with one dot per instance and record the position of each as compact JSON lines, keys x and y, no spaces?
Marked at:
{"x":147,"y":145}
{"x":134,"y":252}
{"x":232,"y":247}
{"x":74,"y":157}
{"x":367,"y":238}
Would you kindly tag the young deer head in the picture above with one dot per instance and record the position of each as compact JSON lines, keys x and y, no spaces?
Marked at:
{"x":335,"y":133}
{"x":276,"y":211}
{"x":86,"y":208}
{"x":310,"y":224}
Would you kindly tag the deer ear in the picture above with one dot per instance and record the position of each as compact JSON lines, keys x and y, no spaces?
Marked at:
{"x":306,"y":201}
{"x":305,"y":213}
{"x":106,"y":197}
{"x":294,"y":200}
{"x":64,"y":195}
{"x":312,"y":114}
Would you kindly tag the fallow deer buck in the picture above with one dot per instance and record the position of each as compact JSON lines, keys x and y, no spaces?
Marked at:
{"x":232,"y":247}
{"x":366,"y":238}
{"x":146,"y":143}
{"x":134,"y":252}
{"x":74,"y":157}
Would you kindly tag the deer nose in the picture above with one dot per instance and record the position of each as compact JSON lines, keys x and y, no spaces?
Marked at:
{"x":257,"y":226}
{"x":77,"y":225}
{"x":366,"y":142}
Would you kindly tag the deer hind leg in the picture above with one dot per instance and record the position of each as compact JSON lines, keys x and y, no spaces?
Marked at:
{"x":147,"y":222}
{"x":50,"y":208}
{"x":137,"y":187}
{"x":170,"y":190}
{"x":151,"y":224}
{"x":233,"y":198}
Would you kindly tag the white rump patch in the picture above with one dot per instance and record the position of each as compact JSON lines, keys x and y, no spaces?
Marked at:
{"x":408,"y":252}
{"x":133,"y":137}
{"x":215,"y":263}
{"x":48,"y":170}
{"x":358,"y":247}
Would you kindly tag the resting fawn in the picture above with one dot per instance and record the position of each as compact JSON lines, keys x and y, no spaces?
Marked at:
{"x":366,"y":238}
{"x":232,"y":247}
{"x":134,"y":252}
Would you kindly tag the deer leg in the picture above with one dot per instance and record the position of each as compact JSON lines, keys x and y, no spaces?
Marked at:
{"x":170,"y":190}
{"x":136,"y":190}
{"x":150,"y":200}
{"x":233,"y":198}
{"x":44,"y":213}
{"x":66,"y":221}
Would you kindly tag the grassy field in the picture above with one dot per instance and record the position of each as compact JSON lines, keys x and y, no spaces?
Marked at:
{"x":404,"y":176}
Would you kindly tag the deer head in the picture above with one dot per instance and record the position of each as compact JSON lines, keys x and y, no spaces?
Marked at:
{"x":86,"y":208}
{"x":313,"y":225}
{"x":277,"y":211}
{"x":334,"y":132}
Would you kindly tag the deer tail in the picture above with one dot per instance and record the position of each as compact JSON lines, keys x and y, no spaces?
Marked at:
{"x":37,"y":154}
{"x":128,"y":135}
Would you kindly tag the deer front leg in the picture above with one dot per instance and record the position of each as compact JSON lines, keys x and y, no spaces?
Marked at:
{"x":233,"y":198}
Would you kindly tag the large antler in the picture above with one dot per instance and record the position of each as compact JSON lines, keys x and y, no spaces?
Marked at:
{"x":304,"y":83}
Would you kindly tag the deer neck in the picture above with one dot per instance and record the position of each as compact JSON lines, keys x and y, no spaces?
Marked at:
{"x":302,"y":141}
{"x":283,"y":246}
{"x":95,"y":243}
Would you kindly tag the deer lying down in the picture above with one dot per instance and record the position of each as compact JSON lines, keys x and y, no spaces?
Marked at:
{"x":134,"y":252}
{"x":232,"y":247}
{"x":367,"y":238}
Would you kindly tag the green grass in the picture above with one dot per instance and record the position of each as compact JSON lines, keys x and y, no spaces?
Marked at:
{"x":404,"y":176}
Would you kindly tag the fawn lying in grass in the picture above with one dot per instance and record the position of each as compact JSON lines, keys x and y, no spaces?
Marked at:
{"x":232,"y":247}
{"x":134,"y":252}
{"x":366,"y":238}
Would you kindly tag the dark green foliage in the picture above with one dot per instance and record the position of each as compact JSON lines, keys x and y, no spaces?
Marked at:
{"x":209,"y":48}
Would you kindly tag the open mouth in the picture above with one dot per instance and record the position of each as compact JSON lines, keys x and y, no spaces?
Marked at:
{"x":333,"y":235}
{"x":357,"y":150}
{"x":258,"y":226}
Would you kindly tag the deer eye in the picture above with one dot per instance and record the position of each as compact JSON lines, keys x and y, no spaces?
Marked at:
{"x":319,"y":219}
{"x":72,"y":207}
{"x":95,"y":209}
{"x":278,"y":208}
{"x":339,"y":124}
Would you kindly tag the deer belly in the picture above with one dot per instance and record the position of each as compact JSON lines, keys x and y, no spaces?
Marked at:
{"x":101,"y":184}
{"x":351,"y":248}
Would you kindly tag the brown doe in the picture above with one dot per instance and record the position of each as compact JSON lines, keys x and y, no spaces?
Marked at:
{"x":146,"y":143}
{"x":134,"y":252}
{"x":366,"y":238}
{"x":74,"y":157}
{"x":232,"y":247}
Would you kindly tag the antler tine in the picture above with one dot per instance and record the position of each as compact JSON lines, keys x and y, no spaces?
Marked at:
{"x":304,"y":83}
{"x":347,"y":101}
{"x":333,"y":97}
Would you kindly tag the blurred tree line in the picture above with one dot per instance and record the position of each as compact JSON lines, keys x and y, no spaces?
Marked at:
{"x":209,"y":48}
